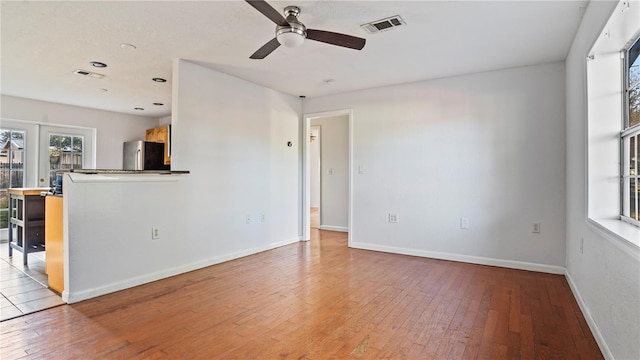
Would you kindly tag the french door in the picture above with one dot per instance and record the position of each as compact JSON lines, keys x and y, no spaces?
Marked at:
{"x":31,"y":153}
{"x":12,"y":159}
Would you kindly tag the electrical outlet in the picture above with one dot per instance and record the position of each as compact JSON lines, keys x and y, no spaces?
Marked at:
{"x":581,"y":245}
{"x":155,"y":233}
{"x":360,"y":169}
{"x":263,"y":217}
{"x":247,"y":219}
{"x":393,"y":218}
{"x":464,"y":223}
{"x":330,"y":171}
{"x":536,"y":227}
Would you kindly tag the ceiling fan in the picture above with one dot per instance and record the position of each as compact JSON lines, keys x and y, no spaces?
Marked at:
{"x":291,"y":33}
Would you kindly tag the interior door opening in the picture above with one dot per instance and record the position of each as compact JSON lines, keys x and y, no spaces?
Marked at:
{"x":315,"y":176}
{"x":332,"y":188}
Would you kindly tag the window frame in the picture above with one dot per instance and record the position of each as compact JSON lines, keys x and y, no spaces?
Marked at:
{"x":628,"y":132}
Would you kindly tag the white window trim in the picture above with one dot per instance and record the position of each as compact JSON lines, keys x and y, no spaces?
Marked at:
{"x":605,"y":103}
{"x":624,"y":152}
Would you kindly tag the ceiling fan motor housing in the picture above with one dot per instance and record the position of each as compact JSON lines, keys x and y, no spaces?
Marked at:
{"x":293,"y":34}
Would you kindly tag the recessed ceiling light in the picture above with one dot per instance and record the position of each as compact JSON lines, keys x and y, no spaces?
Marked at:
{"x":158,"y":104}
{"x":138,"y":108}
{"x":98,"y":64}
{"x":159,"y":80}
{"x":103,"y":90}
{"x":128,"y":46}
{"x":329,"y":81}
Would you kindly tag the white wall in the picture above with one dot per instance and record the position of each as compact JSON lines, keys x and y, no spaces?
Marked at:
{"x":605,"y":275}
{"x":164,"y":121}
{"x":107,"y":226}
{"x":334,"y":148}
{"x":232,"y":136}
{"x":488,"y":147}
{"x":112,"y":128}
{"x":314,"y":165}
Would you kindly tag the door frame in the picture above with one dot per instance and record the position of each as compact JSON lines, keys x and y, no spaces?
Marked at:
{"x":306,"y":171}
{"x":319,"y":173}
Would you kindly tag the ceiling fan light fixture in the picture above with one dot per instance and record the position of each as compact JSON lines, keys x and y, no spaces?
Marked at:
{"x":290,"y":36}
{"x":291,"y":33}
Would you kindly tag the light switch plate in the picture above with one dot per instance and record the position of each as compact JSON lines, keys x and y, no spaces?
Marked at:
{"x":464,"y":223}
{"x":536,"y":227}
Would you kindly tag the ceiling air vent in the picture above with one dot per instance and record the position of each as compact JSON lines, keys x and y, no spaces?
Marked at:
{"x":88,"y":73}
{"x":383,"y":25}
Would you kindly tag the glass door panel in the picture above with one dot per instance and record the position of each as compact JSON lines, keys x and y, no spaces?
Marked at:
{"x":64,"y":148}
{"x":12,"y":155}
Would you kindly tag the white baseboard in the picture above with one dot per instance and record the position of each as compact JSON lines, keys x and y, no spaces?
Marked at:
{"x":606,"y":352}
{"x":511,"y":264}
{"x":334,"y":228}
{"x":73,"y":297}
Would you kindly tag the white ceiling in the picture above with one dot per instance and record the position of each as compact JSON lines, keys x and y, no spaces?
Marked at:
{"x":44,"y":41}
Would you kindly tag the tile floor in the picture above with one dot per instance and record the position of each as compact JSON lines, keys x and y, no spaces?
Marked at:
{"x":23,"y":289}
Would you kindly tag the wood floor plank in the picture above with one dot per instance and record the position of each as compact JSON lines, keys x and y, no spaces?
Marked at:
{"x":318,"y":300}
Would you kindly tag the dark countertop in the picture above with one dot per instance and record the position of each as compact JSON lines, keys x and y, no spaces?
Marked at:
{"x":120,"y":172}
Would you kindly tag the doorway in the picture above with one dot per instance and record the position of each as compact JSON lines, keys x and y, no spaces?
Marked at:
{"x":315,"y":173}
{"x":328,"y":192}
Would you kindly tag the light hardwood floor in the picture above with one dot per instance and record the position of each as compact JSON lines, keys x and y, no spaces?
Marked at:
{"x":314,"y":217}
{"x":318,"y":300}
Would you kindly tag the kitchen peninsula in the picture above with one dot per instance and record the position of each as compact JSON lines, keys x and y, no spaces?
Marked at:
{"x":108,"y":220}
{"x":128,"y":172}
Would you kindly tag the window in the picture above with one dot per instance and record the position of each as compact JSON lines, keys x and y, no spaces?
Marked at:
{"x":65,"y":152}
{"x":612,"y":169}
{"x":630,"y":136}
{"x":12,"y":157}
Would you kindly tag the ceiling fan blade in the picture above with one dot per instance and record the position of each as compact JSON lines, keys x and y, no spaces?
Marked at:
{"x":268,"y":11}
{"x":266,"y":49}
{"x":343,"y":40}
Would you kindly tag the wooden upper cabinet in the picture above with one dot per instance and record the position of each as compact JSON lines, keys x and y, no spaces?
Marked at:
{"x":161,"y":134}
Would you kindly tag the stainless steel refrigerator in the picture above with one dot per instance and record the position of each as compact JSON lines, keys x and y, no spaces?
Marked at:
{"x":143,"y":155}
